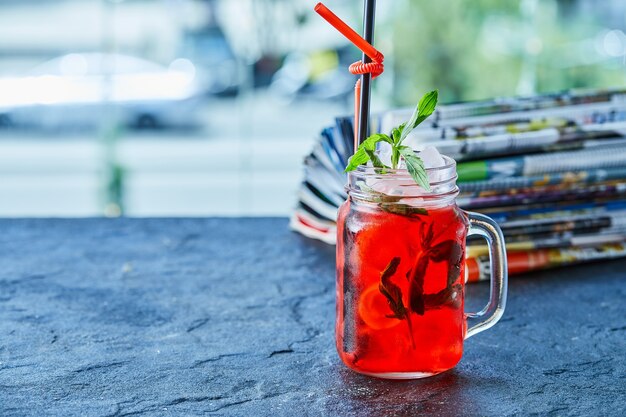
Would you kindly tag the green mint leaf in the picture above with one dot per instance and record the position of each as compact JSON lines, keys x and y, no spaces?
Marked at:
{"x":427,"y":236}
{"x":395,"y":157}
{"x":442,"y":251}
{"x":415,"y":165}
{"x":390,"y":271}
{"x":375,"y":159}
{"x":370,"y":147}
{"x":392,"y":292}
{"x":370,"y":143}
{"x":454,"y":264}
{"x":396,"y":133}
{"x":449,"y":297}
{"x":424,"y":109}
{"x":366,"y":152}
{"x":390,"y":203}
{"x":427,"y":106}
{"x":451,"y":252}
{"x":403,"y":209}
{"x":359,"y":158}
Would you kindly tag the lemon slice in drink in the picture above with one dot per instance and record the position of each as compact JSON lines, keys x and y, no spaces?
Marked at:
{"x":374,"y":310}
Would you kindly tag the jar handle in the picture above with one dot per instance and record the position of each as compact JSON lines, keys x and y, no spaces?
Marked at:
{"x":486,"y":227}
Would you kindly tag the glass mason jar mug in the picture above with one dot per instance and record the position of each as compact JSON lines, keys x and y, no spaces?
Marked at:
{"x":401,"y":274}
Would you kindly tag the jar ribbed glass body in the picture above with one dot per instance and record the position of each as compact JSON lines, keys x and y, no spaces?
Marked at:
{"x":400,"y":274}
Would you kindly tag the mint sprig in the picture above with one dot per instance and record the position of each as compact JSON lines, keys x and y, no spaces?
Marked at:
{"x":415,"y":165}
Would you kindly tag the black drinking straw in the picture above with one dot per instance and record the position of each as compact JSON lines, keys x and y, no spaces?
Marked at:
{"x":366,"y":79}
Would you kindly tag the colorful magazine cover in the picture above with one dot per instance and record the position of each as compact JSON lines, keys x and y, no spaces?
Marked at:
{"x":550,"y":169}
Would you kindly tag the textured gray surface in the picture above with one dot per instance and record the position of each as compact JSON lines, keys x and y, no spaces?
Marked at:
{"x":235,"y":317}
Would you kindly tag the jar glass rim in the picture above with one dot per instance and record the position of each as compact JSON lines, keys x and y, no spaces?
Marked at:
{"x":450,"y":164}
{"x":365,"y":179}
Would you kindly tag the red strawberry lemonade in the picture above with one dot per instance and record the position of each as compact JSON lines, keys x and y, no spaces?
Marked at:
{"x":400,"y":282}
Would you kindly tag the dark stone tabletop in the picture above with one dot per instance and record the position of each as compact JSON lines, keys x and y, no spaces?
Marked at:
{"x":235,"y":317}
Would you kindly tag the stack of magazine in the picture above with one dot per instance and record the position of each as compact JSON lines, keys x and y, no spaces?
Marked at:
{"x":550,"y":169}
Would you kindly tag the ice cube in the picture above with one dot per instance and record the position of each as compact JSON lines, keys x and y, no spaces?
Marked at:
{"x":414,"y":142}
{"x":384,"y":153}
{"x":431,"y":157}
{"x":391,"y":187}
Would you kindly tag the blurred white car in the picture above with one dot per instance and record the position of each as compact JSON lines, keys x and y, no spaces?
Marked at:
{"x":86,"y":90}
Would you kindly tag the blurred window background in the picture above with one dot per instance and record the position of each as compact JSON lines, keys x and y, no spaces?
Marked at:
{"x":195,"y":108}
